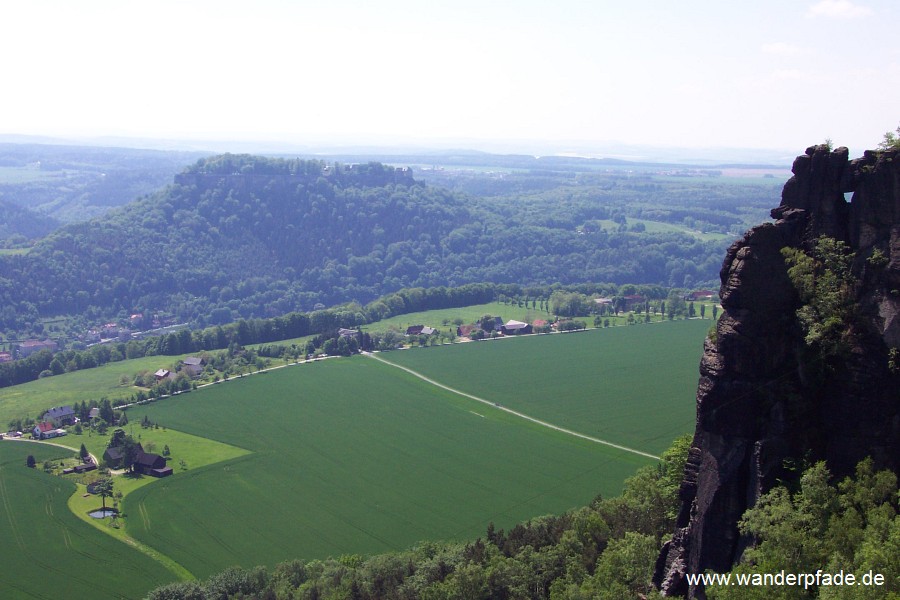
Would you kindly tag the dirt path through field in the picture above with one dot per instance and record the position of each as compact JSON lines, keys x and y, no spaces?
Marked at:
{"x":511,"y":411}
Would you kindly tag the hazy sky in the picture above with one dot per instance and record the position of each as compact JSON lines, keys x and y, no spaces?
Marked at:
{"x":766,"y":74}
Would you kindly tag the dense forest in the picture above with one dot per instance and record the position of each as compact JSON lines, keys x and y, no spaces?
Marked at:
{"x":248,"y":237}
{"x":18,"y":224}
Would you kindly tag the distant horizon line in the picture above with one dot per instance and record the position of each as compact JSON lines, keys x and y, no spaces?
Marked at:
{"x":626,"y":151}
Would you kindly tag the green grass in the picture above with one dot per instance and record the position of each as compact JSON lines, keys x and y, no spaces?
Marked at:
{"x":660,"y":227}
{"x":354,"y":456}
{"x":18,"y":175}
{"x":468,"y":314}
{"x":28,"y":399}
{"x":634,"y":386}
{"x":14,"y":251}
{"x":194,"y":450}
{"x":47,"y":552}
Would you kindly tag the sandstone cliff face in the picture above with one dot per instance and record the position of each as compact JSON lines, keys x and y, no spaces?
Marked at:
{"x":764,"y":399}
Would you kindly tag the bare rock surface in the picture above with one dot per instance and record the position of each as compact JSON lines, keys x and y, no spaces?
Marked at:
{"x":763,"y":399}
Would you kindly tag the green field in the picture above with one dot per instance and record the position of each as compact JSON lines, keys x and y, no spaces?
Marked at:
{"x":28,"y":399}
{"x":468,"y":314}
{"x":660,"y":227}
{"x":354,"y":456}
{"x":47,"y":552}
{"x":634,"y":386}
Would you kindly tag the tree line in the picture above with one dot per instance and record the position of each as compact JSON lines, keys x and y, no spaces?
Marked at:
{"x":323,"y":322}
{"x":242,"y":237}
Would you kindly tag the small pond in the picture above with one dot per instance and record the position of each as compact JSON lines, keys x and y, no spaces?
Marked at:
{"x":102,"y":513}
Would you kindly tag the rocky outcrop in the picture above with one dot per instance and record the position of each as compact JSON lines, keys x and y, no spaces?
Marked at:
{"x":765,"y":399}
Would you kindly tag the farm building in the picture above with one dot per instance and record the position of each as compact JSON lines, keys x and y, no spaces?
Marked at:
{"x":60,"y":415}
{"x":420,"y":330}
{"x":163,"y":374}
{"x":193,"y":365}
{"x":512,"y":327}
{"x":148,"y":463}
{"x":113,"y":456}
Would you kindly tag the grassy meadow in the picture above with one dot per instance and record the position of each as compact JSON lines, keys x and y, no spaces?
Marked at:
{"x":354,"y":456}
{"x":47,"y":552}
{"x":468,"y":314}
{"x":28,"y":399}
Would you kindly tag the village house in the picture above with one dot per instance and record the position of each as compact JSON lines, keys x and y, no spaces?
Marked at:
{"x":634,"y":301}
{"x":113,"y":456}
{"x":465,"y":330}
{"x":46,"y":431}
{"x":193,"y":365}
{"x":5,"y":357}
{"x":147,"y":463}
{"x":700,"y":295}
{"x":163,"y":374}
{"x":60,"y":415}
{"x":29,"y":347}
{"x":347,"y":332}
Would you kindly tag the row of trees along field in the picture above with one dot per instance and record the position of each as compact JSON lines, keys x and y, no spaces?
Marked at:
{"x":291,"y":325}
{"x":608,"y":550}
{"x":249,"y":237}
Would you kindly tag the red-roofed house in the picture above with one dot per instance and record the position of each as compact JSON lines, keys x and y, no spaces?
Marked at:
{"x":44,"y":431}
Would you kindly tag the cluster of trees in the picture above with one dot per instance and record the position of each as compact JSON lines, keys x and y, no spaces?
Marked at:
{"x":826,"y":286}
{"x":292,"y":325}
{"x":819,"y":524}
{"x":607,"y":550}
{"x":248,"y":237}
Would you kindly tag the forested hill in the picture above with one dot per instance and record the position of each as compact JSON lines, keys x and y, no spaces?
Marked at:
{"x":242,"y":236}
{"x":16,"y":220}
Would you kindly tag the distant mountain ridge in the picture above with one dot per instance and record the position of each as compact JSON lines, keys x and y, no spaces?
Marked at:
{"x":245,"y":236}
